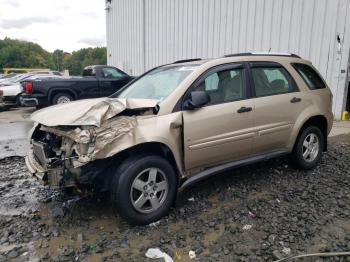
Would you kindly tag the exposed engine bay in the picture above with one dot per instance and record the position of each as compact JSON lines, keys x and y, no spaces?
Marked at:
{"x":62,"y":151}
{"x":66,"y":150}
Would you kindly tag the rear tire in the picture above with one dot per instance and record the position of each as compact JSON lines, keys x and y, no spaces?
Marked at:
{"x":62,"y":98}
{"x":308,"y":148}
{"x":144,"y":189}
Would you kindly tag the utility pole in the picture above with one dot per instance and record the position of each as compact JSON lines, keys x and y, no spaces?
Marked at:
{"x":58,"y":65}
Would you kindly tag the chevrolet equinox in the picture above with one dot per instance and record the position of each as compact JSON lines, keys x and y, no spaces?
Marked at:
{"x":180,"y":123}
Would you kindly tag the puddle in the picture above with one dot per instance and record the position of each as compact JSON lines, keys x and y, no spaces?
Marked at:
{"x":14,"y":139}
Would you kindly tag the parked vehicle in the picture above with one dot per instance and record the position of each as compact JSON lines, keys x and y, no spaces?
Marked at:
{"x":20,"y":77}
{"x":97,"y":81}
{"x":1,"y":100}
{"x":7,"y":77}
{"x":12,"y":91}
{"x":180,"y":123}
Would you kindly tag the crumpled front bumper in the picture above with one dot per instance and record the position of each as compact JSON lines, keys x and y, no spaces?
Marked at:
{"x":51,"y":177}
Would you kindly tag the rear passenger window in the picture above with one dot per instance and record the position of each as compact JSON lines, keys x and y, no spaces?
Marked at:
{"x":310,"y":76}
{"x":271,"y":81}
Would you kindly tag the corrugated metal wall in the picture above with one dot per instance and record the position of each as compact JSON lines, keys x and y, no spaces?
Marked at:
{"x":142,"y":34}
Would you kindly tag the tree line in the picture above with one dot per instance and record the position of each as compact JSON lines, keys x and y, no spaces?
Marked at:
{"x":24,"y":54}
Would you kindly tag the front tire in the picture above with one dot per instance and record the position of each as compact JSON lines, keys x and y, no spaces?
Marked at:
{"x":309,"y":147}
{"x":144,"y":189}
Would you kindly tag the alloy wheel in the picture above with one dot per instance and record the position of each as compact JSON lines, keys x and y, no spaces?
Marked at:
{"x":149,"y":190}
{"x":311,"y":147}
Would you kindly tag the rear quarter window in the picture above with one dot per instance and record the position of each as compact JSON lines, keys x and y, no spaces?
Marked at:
{"x":89,"y":72}
{"x":312,"y":79}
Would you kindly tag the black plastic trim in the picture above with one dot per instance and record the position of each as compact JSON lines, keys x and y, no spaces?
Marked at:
{"x":270,"y":64}
{"x":228,"y":166}
{"x":187,"y":60}
{"x":252,"y":54}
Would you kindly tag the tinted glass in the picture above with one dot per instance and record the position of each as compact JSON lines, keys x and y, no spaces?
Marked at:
{"x":270,"y":81}
{"x":310,"y":76}
{"x":111,"y":73}
{"x":89,"y":72}
{"x":224,"y":86}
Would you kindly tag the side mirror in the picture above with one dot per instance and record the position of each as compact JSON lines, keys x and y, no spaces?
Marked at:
{"x":197,"y":100}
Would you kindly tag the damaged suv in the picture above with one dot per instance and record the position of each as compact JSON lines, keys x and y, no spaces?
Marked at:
{"x":180,"y":123}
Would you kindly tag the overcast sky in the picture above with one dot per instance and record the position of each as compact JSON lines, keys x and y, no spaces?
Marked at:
{"x":55,"y":24}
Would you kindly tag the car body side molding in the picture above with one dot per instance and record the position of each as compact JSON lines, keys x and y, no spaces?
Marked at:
{"x":216,"y":170}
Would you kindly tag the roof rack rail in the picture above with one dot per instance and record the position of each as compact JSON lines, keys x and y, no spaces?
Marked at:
{"x":263,"y":54}
{"x":238,"y":54}
{"x":187,"y":60}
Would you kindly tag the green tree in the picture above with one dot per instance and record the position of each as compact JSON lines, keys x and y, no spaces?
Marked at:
{"x":18,"y":53}
{"x":84,"y":57}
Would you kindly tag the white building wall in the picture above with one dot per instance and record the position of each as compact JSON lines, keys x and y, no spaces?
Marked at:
{"x":142,"y":34}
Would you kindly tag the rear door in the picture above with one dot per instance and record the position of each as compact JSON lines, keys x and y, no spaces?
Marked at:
{"x":112,"y":80}
{"x":277,"y":102}
{"x":222,"y":130}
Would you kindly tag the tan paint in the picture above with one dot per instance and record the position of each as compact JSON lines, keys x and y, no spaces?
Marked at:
{"x":212,"y":134}
{"x":88,"y":112}
{"x":118,"y":134}
{"x":215,"y":134}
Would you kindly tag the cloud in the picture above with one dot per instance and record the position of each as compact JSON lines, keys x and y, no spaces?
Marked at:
{"x":25,"y":22}
{"x":12,"y":3}
{"x":55,"y":24}
{"x":90,"y":14}
{"x":29,"y":39}
{"x":93,"y":41}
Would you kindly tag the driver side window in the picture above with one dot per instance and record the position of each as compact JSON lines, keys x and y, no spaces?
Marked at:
{"x":111,"y":73}
{"x":224,"y":86}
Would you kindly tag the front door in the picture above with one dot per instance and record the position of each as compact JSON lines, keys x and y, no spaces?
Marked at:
{"x":222,"y":130}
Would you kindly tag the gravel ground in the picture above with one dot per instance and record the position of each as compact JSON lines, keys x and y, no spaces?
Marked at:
{"x":261,"y":212}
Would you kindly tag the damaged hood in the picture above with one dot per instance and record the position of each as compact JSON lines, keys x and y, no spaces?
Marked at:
{"x":91,"y":112}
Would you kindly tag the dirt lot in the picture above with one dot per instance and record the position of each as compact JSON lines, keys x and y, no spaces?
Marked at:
{"x":262,"y":212}
{"x":255,"y":213}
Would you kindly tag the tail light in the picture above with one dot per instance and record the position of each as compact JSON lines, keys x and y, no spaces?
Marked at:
{"x":1,"y":93}
{"x":28,"y":86}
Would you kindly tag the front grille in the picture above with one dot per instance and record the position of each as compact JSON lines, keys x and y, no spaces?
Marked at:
{"x":39,"y":153}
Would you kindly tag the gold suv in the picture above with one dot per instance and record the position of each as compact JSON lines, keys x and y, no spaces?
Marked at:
{"x":180,"y":123}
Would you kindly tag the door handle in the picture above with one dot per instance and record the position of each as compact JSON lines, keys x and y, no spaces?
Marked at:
{"x":244,"y":109}
{"x":295,"y":100}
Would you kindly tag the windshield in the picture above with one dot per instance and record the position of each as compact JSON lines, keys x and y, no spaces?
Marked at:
{"x":158,"y":84}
